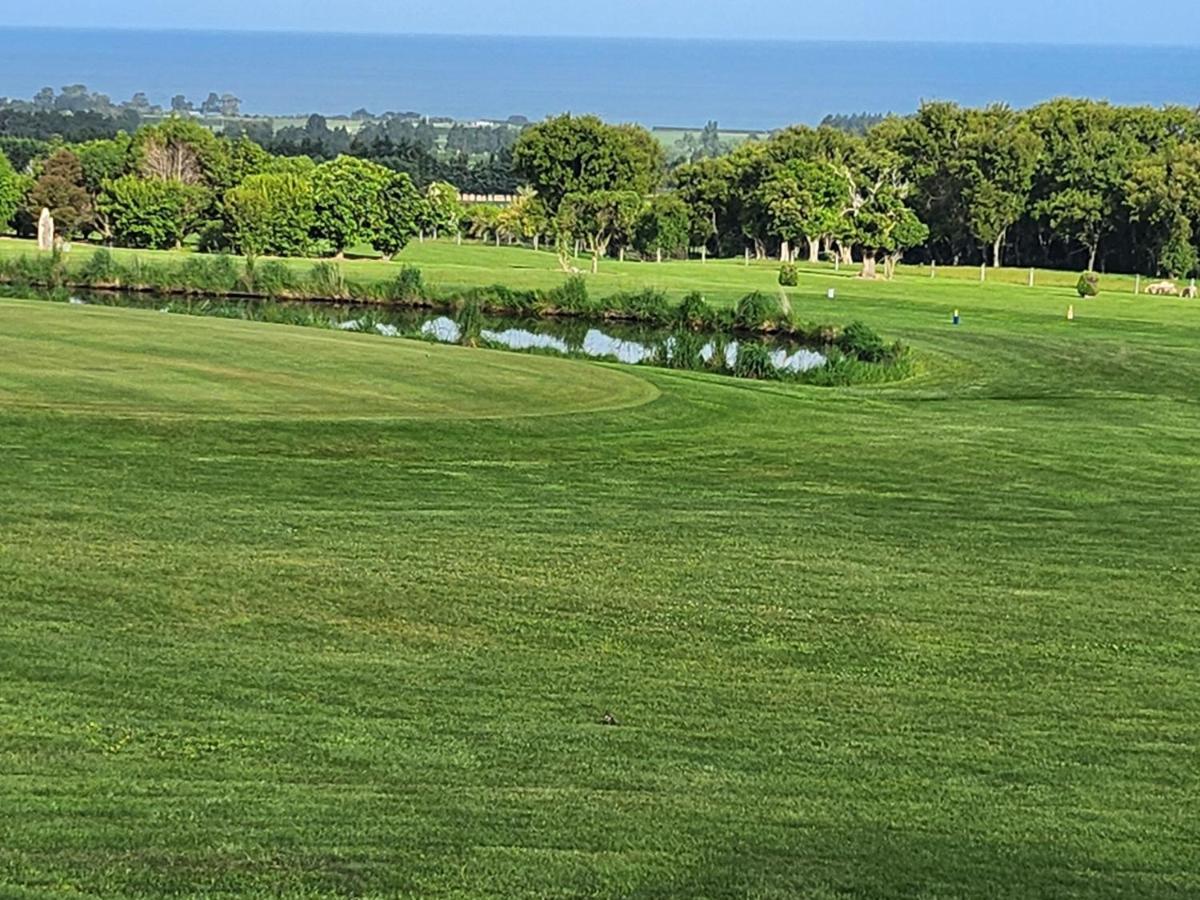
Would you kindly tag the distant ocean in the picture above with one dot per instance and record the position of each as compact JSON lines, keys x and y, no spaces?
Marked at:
{"x":742,"y":84}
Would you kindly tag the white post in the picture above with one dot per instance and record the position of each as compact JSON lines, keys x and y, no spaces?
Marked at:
{"x":1137,"y":283}
{"x":747,"y":256}
{"x":933,"y":268}
{"x":703,"y":253}
{"x":983,"y":273}
{"x":1031,"y":277}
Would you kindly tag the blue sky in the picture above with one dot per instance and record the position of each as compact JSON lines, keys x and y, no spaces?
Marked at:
{"x":1067,"y":21}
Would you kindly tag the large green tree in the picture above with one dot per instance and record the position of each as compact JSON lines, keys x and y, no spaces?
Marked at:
{"x":400,"y":208}
{"x":1000,"y":154}
{"x":60,"y":189}
{"x":442,"y":211}
{"x":597,"y":218}
{"x":662,"y":227}
{"x":805,"y":201}
{"x":579,"y":155}
{"x":10,"y":192}
{"x":271,"y":213}
{"x":346,"y":196}
{"x":151,"y":212}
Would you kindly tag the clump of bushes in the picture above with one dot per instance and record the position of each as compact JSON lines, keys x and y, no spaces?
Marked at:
{"x":408,"y":286}
{"x":205,"y":275}
{"x":789,"y":275}
{"x":754,"y":361}
{"x":862,"y":341}
{"x":325,"y":280}
{"x":694,"y":311}
{"x":1088,"y":285}
{"x":101,"y":268}
{"x":572,"y":296}
{"x":682,"y":350}
{"x":647,"y":305}
{"x":756,"y":312}
{"x":272,"y":278}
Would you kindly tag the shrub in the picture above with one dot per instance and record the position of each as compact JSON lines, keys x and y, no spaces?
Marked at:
{"x":470,"y":324}
{"x":101,"y":268}
{"x":1088,"y":284}
{"x":789,"y":275}
{"x":755,"y":312}
{"x":325,"y":280}
{"x":408,"y":286}
{"x":207,"y":275}
{"x":694,"y":311}
{"x":753,"y":361}
{"x":682,"y":350}
{"x":648,"y":305}
{"x":273,"y":278}
{"x":572,"y":295}
{"x":862,"y":341}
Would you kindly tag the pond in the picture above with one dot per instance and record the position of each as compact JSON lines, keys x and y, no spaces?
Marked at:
{"x":623,"y":342}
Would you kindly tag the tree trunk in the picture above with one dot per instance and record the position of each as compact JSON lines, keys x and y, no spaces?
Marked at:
{"x":785,"y":252}
{"x":658,"y":255}
{"x":703,"y":254}
{"x":814,"y":250}
{"x":1092,"y":251}
{"x":760,"y":252}
{"x":621,"y":254}
{"x":340,"y":255}
{"x":846,"y":254}
{"x":421,"y":236}
{"x":497,"y":239}
{"x":595,"y":261}
{"x":868,"y":265}
{"x":996,"y":250}
{"x":458,"y":238}
{"x":537,"y":239}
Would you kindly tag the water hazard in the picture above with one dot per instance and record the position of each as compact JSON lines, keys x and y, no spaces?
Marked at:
{"x":617,"y":341}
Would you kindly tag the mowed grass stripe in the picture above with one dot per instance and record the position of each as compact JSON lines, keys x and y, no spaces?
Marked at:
{"x":129,"y":363}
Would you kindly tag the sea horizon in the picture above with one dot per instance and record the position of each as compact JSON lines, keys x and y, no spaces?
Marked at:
{"x":750,"y":85}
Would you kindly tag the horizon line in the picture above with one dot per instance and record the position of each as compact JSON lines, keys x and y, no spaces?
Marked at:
{"x":885,"y":42}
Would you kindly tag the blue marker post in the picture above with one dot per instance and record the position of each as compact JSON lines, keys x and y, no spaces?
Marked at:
{"x":956,"y":318}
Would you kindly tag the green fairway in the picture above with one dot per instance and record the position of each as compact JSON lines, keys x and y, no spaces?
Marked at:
{"x":297,"y":613}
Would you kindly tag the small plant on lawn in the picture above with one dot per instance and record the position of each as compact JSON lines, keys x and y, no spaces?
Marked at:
{"x":1088,"y":284}
{"x":789,"y":275}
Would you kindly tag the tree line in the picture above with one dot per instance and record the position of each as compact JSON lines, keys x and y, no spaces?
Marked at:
{"x":177,"y":180}
{"x":1067,"y":184}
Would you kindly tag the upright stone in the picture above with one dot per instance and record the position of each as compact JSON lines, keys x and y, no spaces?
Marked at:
{"x":45,"y":230}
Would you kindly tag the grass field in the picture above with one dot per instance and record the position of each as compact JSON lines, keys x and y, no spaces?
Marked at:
{"x":450,"y":266}
{"x":296,"y":613}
